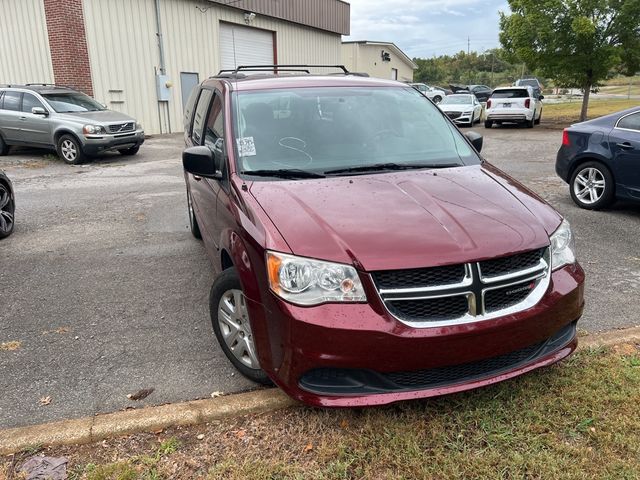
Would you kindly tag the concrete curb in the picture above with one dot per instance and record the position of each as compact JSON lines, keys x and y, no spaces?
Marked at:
{"x":99,"y":427}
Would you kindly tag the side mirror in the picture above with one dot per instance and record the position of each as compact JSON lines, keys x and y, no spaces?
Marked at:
{"x":39,"y":111}
{"x":476,"y":140}
{"x":104,"y":105}
{"x":541,"y":97}
{"x":200,"y":161}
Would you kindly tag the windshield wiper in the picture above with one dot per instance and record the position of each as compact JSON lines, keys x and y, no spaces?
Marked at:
{"x":378,"y":167}
{"x":292,"y":173}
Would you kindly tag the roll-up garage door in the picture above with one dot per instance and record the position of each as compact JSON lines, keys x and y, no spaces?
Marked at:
{"x":244,"y":46}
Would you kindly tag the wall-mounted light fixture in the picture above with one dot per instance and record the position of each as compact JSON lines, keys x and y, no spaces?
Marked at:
{"x":386,"y":56}
{"x":249,"y":17}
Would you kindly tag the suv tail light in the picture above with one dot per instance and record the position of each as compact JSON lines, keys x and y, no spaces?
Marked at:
{"x":489,"y":103}
{"x":565,"y":138}
{"x":527,"y":103}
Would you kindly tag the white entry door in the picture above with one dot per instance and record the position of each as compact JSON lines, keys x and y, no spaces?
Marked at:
{"x":240,"y":45}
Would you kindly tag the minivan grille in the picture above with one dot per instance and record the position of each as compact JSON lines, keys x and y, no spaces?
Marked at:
{"x":419,"y":277}
{"x":122,"y":127}
{"x":465,"y":293}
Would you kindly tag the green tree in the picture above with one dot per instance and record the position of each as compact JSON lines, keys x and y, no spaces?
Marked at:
{"x":578,"y":43}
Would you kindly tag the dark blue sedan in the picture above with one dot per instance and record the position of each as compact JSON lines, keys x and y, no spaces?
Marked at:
{"x":600,"y":159}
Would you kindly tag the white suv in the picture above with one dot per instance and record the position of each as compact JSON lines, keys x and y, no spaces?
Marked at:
{"x":515,"y":105}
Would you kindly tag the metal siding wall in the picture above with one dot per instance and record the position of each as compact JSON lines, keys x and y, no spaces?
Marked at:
{"x":121,"y":37}
{"x":24,"y":44}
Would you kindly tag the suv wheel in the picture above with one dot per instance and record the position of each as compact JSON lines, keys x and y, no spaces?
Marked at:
{"x":7,"y":211}
{"x":437,"y":99}
{"x":539,"y":118}
{"x":230,"y":319}
{"x":69,"y":150}
{"x":592,"y":186}
{"x":488,"y":123}
{"x":193,"y":223}
{"x":4,"y":148}
{"x":129,"y":151}
{"x":532,"y":122}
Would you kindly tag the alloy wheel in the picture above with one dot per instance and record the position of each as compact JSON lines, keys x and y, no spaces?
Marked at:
{"x":7,"y":210}
{"x":69,"y":150}
{"x":233,"y":319}
{"x":589,"y":185}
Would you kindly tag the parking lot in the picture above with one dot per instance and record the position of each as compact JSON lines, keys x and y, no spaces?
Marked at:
{"x":104,"y":291}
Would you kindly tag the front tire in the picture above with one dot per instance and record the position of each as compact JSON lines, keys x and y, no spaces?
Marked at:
{"x":592,"y":186}
{"x":437,"y":99}
{"x":70,"y":150}
{"x":127,"y":152}
{"x":232,"y":327}
{"x":488,"y":123}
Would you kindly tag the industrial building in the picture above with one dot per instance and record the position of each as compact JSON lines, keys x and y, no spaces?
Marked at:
{"x":142,"y":57}
{"x":378,"y":59}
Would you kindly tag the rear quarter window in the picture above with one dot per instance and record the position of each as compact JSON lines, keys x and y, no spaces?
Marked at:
{"x":11,"y":101}
{"x":630,"y":122}
{"x":511,"y":93}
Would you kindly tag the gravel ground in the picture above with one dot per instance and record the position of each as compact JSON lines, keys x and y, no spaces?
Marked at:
{"x":106,"y":291}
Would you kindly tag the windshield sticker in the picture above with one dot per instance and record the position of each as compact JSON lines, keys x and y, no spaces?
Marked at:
{"x":246,"y":146}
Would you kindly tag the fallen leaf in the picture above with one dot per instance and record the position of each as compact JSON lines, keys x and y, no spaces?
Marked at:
{"x":45,"y":400}
{"x":241,"y":433}
{"x":308,"y":448}
{"x":216,"y":394}
{"x":141,"y":394}
{"x":344,"y":424}
{"x":10,"y":346}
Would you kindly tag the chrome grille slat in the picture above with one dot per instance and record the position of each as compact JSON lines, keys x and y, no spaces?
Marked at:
{"x":506,"y":291}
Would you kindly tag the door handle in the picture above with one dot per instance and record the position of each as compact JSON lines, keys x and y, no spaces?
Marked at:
{"x":625,"y":146}
{"x":197,"y":178}
{"x":23,"y":118}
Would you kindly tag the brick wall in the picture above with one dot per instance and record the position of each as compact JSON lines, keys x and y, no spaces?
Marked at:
{"x":68,"y":44}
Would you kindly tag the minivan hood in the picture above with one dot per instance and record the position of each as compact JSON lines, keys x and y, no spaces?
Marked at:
{"x":408,"y":219}
{"x":101,"y":116}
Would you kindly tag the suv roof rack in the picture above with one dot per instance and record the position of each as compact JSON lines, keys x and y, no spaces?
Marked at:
{"x":238,"y":72}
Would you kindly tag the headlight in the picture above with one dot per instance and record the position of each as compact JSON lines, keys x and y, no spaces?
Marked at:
{"x":94,"y":130}
{"x":562,"y":246}
{"x":304,"y":281}
{"x":138,"y":126}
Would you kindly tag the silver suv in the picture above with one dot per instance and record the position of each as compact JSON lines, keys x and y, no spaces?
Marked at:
{"x":72,"y":123}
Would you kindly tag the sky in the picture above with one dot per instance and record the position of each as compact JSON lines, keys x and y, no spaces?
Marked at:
{"x":424,"y":28}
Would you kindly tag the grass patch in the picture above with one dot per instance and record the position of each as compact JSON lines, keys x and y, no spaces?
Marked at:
{"x":569,"y":112}
{"x":576,"y":420}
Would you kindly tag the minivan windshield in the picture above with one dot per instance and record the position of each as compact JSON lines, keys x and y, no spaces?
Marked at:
{"x":339,"y":130}
{"x":72,"y":102}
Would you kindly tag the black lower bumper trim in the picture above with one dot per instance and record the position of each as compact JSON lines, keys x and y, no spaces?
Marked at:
{"x":339,"y":381}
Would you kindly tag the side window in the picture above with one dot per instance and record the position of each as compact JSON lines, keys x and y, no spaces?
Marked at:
{"x":11,"y":101}
{"x":631,"y":122}
{"x":201,"y":116}
{"x":29,"y":101}
{"x":1,"y":94}
{"x":188,"y":109}
{"x":214,"y":132}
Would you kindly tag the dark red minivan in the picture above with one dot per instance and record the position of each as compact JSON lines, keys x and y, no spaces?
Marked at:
{"x":365,"y":253}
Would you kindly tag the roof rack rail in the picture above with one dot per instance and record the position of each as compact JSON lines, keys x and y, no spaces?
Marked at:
{"x":40,"y":85}
{"x":238,"y":71}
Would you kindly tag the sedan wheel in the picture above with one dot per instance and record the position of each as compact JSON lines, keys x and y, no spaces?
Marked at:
{"x":592,"y":186}
{"x":232,"y":326}
{"x":7,"y":211}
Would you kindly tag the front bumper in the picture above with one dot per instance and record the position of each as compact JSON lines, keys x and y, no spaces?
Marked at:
{"x":96,"y":144}
{"x":300,"y":348}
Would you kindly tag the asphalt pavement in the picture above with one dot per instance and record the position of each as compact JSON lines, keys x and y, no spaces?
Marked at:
{"x":106,"y":290}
